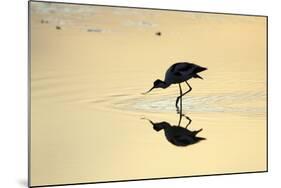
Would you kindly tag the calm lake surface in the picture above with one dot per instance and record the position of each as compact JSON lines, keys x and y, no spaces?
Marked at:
{"x":87,"y":110}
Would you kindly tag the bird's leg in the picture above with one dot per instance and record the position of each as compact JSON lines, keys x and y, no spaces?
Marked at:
{"x":190,"y":88}
{"x":178,"y":98}
{"x":181,"y":95}
{"x":181,"y":104}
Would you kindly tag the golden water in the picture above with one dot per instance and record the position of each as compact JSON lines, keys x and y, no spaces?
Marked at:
{"x":86,"y":101}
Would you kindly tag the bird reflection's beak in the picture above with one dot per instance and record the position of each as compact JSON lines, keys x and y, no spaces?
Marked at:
{"x":147,"y":120}
{"x":148,"y":91}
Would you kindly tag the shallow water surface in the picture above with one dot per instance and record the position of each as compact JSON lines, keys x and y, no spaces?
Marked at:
{"x":89,"y":120}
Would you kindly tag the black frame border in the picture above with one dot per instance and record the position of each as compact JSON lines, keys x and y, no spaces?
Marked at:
{"x":146,"y":8}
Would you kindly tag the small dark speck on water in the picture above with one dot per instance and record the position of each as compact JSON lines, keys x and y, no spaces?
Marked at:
{"x":158,"y":33}
{"x":58,"y":27}
{"x":44,"y":21}
{"x":94,"y":30}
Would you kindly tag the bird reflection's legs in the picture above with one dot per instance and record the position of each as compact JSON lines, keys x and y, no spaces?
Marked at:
{"x":189,"y":120}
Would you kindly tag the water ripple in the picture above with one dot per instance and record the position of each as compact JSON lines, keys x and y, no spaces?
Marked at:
{"x":238,"y":103}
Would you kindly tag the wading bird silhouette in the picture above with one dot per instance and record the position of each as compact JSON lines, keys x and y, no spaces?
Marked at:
{"x":176,"y":134}
{"x":176,"y":74}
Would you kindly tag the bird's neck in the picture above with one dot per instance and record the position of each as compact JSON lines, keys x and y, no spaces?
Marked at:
{"x":164,"y":85}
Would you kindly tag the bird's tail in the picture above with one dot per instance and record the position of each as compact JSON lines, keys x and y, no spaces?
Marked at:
{"x":200,"y":69}
{"x":200,"y":138}
{"x":197,"y":70}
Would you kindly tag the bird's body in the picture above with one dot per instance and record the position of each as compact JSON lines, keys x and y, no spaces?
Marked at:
{"x":178,"y":73}
{"x":183,"y":71}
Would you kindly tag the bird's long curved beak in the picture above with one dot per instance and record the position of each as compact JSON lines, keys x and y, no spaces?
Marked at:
{"x":148,"y":91}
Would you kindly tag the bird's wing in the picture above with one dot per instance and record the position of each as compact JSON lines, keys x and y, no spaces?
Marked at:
{"x":184,"y":69}
{"x":182,"y":66}
{"x":181,"y":71}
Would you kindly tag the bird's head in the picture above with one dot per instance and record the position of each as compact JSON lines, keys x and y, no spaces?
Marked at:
{"x":158,"y":84}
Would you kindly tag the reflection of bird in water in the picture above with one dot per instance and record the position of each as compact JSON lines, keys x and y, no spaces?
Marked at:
{"x":176,"y":134}
{"x":178,"y":73}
